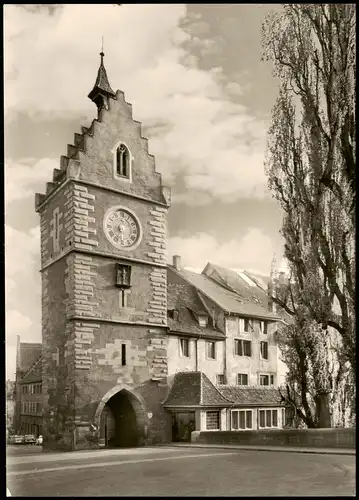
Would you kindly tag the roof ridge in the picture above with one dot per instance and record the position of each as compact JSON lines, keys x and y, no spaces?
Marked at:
{"x":195,"y":287}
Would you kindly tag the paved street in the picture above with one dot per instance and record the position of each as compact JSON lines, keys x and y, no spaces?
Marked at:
{"x":179,"y":472}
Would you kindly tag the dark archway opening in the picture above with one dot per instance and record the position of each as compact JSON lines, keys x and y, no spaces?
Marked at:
{"x":121,"y":421}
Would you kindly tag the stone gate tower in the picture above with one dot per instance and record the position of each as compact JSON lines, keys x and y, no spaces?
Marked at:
{"x":103,"y":266}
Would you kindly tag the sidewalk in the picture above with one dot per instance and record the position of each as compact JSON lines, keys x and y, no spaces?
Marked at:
{"x":288,"y":449}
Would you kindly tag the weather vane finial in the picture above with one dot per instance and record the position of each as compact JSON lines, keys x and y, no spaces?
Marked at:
{"x":102,"y":52}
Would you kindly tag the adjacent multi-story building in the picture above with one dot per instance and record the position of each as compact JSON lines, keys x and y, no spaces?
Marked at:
{"x":135,"y":351}
{"x":28,"y":388}
{"x":10,"y":403}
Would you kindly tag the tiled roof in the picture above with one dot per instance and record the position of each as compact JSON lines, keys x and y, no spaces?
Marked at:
{"x":183,"y":297}
{"x":185,"y":391}
{"x":29,"y":354}
{"x":227,"y":300}
{"x":210,"y":395}
{"x":257,"y":396}
{"x":244,"y":284}
{"x":194,"y":389}
{"x":35,"y":372}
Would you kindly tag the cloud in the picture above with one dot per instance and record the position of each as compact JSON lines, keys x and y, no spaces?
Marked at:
{"x":254,"y":250}
{"x":16,"y":322}
{"x":153,"y":54}
{"x":22,"y":180}
{"x":22,"y":290}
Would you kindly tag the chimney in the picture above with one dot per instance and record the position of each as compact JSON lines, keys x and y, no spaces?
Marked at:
{"x":177,"y":262}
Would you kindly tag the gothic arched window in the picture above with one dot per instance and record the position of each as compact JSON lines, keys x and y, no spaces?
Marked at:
{"x":122,"y":161}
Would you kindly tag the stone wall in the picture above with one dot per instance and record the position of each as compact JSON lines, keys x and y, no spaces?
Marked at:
{"x":317,"y":438}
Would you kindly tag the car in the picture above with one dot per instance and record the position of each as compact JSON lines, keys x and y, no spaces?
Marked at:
{"x":17,"y":439}
{"x":29,"y":439}
{"x":10,"y":439}
{"x":39,"y":440}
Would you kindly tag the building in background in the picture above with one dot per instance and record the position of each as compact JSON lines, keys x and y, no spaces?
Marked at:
{"x":135,"y":351}
{"x":28,"y":388}
{"x":10,"y":403}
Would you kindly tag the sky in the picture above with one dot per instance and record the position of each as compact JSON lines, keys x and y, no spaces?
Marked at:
{"x":195,"y":78}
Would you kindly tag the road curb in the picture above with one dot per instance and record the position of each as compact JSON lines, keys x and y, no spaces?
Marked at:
{"x":314,"y":451}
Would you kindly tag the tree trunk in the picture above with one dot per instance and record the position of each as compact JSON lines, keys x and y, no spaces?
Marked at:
{"x":322,"y":403}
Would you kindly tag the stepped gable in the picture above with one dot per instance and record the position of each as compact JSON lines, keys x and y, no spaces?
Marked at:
{"x":71,"y":163}
{"x":194,"y":389}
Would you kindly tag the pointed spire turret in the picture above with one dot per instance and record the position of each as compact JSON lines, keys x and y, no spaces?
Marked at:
{"x":102,"y":89}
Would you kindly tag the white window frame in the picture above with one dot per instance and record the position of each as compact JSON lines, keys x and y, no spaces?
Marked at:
{"x":224,"y":378}
{"x":238,"y":411}
{"x":215,"y":350}
{"x":182,"y":339}
{"x":263,"y":375}
{"x":262,"y":325}
{"x":242,"y":340}
{"x":241,"y":329}
{"x":250,"y":326}
{"x":265,"y":418}
{"x":242,"y":385}
{"x":219,"y":420}
{"x":114,"y":156}
{"x":203,"y":321}
{"x":260,"y":349}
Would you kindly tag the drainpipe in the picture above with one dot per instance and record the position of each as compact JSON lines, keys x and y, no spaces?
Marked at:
{"x":196,"y":354}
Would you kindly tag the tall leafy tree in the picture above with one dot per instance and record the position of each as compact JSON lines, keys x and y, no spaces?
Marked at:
{"x":311,"y":162}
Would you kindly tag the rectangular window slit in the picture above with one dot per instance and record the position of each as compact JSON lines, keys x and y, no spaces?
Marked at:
{"x":123,"y":354}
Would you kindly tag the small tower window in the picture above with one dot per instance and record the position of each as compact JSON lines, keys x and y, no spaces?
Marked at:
{"x":122,"y":161}
{"x":123,"y":276}
{"x":123,"y":354}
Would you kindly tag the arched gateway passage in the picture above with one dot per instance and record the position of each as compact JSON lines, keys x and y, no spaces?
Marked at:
{"x":120,"y":418}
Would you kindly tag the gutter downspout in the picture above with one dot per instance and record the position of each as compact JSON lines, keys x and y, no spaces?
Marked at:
{"x":197,"y":357}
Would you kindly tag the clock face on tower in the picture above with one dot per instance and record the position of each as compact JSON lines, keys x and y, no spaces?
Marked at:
{"x":122,"y":228}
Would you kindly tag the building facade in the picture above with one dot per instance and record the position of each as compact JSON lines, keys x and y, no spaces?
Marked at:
{"x":28,"y":389}
{"x":120,"y":326}
{"x":10,"y":403}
